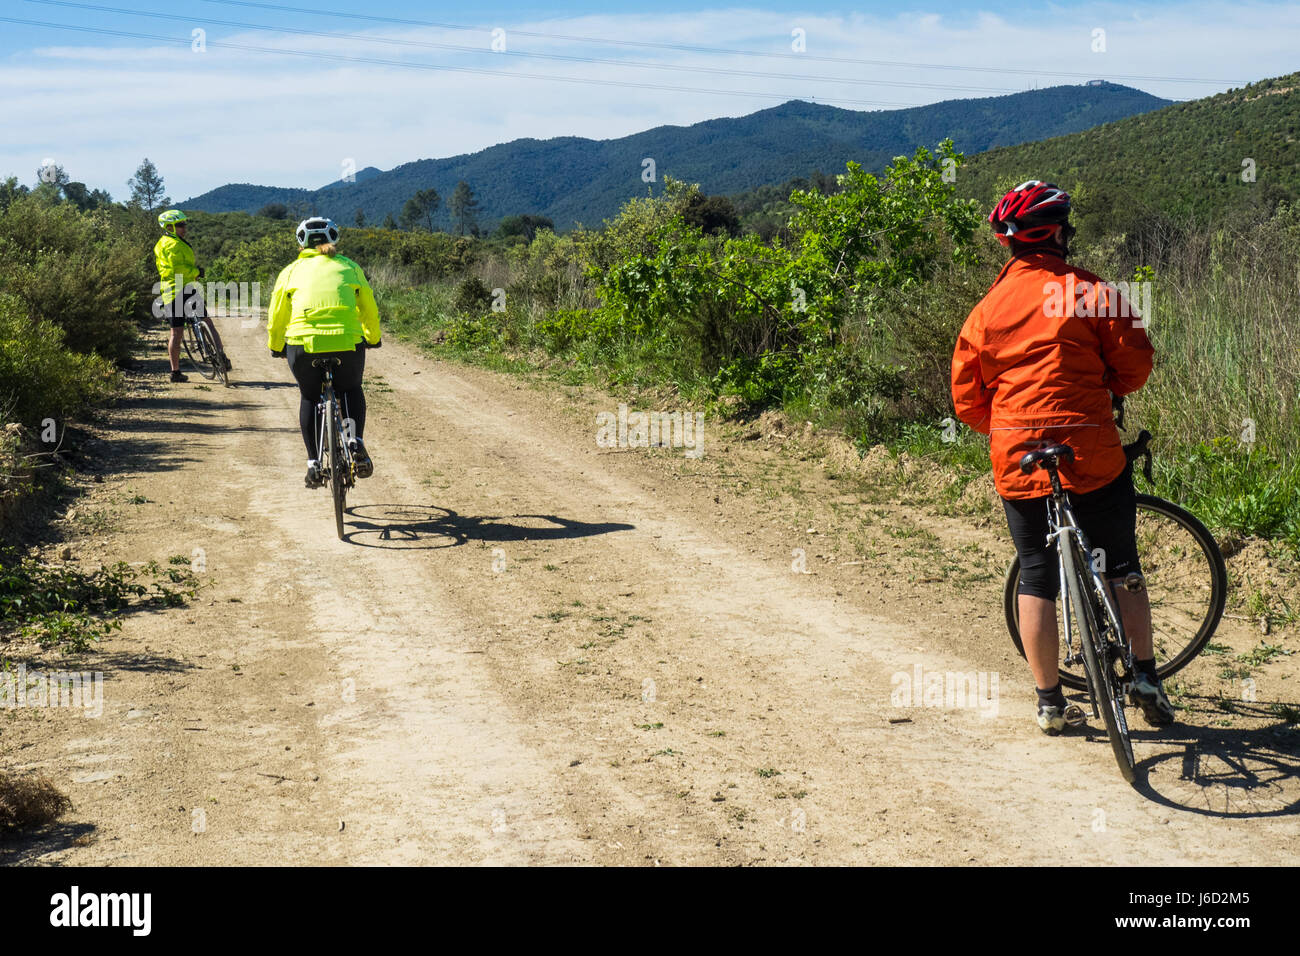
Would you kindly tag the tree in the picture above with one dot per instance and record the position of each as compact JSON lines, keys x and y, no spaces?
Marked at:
{"x":526,"y":225}
{"x":274,"y":210}
{"x":78,"y":195}
{"x":147,"y":188}
{"x":10,"y":190}
{"x":712,"y":215}
{"x":419,"y":209}
{"x":462,"y":207}
{"x":389,"y":223}
{"x":360,"y":218}
{"x":52,"y":174}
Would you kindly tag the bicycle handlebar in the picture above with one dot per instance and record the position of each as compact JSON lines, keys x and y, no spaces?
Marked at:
{"x":1138,"y":448}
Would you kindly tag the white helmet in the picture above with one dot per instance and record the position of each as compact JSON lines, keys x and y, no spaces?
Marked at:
{"x":322,"y":230}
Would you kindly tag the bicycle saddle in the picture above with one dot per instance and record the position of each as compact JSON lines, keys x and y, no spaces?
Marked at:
{"x":323,"y":362}
{"x":1059,"y":453}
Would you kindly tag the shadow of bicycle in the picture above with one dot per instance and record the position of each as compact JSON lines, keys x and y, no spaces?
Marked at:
{"x":426,"y":527}
{"x":1225,"y":772}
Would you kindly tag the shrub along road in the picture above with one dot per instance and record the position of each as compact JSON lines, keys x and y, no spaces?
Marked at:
{"x":532,"y":649}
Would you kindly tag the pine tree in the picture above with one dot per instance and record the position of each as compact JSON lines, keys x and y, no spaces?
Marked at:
{"x":147,"y":188}
{"x":462,"y":206}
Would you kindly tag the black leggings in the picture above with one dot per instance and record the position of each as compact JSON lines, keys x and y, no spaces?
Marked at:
{"x":1108,"y":517}
{"x":347,"y":385}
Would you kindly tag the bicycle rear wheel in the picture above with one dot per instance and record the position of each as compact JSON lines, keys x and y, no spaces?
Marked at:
{"x":1186,"y":581}
{"x":1104,"y":687}
{"x":338,"y":485}
{"x":193,"y":351}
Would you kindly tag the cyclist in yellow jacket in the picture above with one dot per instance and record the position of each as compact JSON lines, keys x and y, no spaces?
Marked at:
{"x":178,"y":278}
{"x":322,"y":303}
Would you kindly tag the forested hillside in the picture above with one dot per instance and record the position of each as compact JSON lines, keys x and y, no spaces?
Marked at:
{"x":574,"y":180}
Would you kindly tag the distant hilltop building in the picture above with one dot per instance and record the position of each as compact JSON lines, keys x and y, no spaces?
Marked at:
{"x":1095,"y":83}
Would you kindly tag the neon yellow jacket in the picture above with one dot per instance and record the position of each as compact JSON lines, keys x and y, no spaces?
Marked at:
{"x":173,"y":255}
{"x":323,"y":303}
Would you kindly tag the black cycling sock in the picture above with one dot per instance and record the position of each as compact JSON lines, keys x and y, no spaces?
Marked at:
{"x":1052,"y":696}
{"x":1147,"y":667}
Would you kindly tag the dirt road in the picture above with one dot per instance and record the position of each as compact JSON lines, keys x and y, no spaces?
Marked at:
{"x":532,"y":649}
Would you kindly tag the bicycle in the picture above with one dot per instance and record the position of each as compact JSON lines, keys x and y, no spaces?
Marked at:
{"x":332,"y":450}
{"x":1185,"y":578}
{"x":201,"y":348}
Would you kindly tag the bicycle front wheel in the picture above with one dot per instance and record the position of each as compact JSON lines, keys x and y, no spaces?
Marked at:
{"x":1104,"y":685}
{"x":207,"y":349}
{"x":1186,"y":581}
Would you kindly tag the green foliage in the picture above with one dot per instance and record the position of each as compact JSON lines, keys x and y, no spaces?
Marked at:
{"x":88,"y":273}
{"x":525,"y":226}
{"x":1141,"y":175}
{"x":472,"y":296}
{"x":64,"y":606}
{"x":258,"y":261}
{"x":764,"y":322}
{"x":1229,"y":485}
{"x":39,"y":377}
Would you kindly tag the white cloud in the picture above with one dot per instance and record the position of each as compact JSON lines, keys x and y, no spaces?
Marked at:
{"x":234,"y":116}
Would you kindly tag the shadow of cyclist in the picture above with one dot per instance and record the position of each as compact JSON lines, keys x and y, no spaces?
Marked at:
{"x":1225,"y":772}
{"x":426,"y":527}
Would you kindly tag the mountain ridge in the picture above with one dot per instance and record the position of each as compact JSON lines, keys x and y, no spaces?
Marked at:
{"x":575,"y":179}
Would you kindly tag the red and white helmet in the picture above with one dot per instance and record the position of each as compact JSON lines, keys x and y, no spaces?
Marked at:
{"x":1030,"y":213}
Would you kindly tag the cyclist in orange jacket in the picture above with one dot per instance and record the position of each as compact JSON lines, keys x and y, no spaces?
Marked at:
{"x":1038,"y":361}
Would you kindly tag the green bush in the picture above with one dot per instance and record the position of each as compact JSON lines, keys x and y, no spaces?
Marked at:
{"x":472,"y":296}
{"x":39,"y":377}
{"x":88,"y":273}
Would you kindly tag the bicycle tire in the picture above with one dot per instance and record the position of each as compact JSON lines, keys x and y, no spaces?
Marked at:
{"x":1106,"y":694}
{"x":208,"y":349}
{"x":193,"y":354}
{"x":337,"y":487}
{"x":219,"y":358}
{"x":1157,"y":547}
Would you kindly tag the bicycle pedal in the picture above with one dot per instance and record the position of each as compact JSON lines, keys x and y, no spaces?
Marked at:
{"x":1074,"y":716}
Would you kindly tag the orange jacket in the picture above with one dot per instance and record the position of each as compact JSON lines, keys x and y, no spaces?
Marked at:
{"x":1037,"y":360}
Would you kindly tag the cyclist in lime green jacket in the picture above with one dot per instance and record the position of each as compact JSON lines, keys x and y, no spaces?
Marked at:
{"x":178,"y":279}
{"x":322,"y":303}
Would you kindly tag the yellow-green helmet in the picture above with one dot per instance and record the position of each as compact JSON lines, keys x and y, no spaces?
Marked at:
{"x":170,"y":218}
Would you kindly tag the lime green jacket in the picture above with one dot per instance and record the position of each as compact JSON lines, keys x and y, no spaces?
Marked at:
{"x":323,"y":303}
{"x":174,"y":255}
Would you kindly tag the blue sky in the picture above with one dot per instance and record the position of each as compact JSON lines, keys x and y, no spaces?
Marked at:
{"x":291,"y":97}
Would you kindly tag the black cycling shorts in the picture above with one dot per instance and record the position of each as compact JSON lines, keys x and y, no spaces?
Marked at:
{"x":187,"y":300}
{"x":1108,"y":517}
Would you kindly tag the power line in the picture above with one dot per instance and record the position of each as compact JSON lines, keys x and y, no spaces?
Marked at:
{"x":519,"y":53}
{"x":703,"y":49}
{"x":399,"y":64}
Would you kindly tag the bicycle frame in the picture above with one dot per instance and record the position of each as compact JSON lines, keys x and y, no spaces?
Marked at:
{"x":1064,"y":531}
{"x":328,"y":407}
